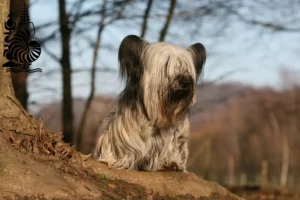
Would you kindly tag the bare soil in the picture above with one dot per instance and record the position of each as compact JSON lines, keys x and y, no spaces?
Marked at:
{"x":41,"y":166}
{"x":258,"y":193}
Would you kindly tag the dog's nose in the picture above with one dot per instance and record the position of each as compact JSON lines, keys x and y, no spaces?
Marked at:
{"x":185,"y":83}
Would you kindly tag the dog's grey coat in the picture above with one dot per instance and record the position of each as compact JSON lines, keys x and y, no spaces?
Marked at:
{"x":148,"y":129}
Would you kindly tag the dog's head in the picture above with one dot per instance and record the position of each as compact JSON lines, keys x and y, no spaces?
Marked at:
{"x":160,"y":78}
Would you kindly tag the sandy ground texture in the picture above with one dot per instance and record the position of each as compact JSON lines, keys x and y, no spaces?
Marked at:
{"x":43,"y":167}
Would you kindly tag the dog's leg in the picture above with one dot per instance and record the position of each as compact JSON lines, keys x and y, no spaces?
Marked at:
{"x":182,"y":141}
{"x":184,"y":155}
{"x":179,"y":158}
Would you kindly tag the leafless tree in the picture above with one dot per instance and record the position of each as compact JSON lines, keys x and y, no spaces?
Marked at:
{"x":93,"y":76}
{"x":67,"y":108}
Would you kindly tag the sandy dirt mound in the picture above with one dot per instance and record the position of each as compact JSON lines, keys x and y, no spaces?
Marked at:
{"x":41,"y":166}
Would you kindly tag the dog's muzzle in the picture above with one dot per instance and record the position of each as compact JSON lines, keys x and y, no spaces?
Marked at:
{"x":183,"y":82}
{"x":181,"y":88}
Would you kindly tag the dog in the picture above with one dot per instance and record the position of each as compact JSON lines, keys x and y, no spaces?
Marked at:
{"x":148,"y":127}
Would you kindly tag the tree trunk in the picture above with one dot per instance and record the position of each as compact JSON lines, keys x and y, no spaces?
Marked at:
{"x":231,"y":171}
{"x":285,"y":161}
{"x":19,"y":80}
{"x":285,"y":150}
{"x":264,"y":174}
{"x":13,"y":117}
{"x":67,"y":106}
{"x":164,"y":30}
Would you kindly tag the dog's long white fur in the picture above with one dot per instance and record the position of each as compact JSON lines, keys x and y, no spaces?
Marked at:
{"x":146,"y":138}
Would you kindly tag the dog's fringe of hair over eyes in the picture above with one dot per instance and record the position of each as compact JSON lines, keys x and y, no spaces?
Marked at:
{"x":148,"y":128}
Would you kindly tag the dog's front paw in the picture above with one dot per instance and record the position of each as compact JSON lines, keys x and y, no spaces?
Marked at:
{"x":172,"y":166}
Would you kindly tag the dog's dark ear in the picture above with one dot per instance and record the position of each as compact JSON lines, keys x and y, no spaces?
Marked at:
{"x":130,"y":53}
{"x":199,"y":57}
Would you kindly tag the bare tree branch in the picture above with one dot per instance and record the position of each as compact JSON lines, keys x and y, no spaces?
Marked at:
{"x":269,"y":25}
{"x":145,"y":18}
{"x":164,"y":30}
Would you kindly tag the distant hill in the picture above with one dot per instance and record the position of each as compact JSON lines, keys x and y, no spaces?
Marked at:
{"x":211,"y":97}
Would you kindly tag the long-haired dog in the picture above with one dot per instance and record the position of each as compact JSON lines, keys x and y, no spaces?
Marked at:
{"x":148,"y":128}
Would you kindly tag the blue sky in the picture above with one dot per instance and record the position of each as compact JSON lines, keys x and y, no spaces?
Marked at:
{"x":257,"y":54}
